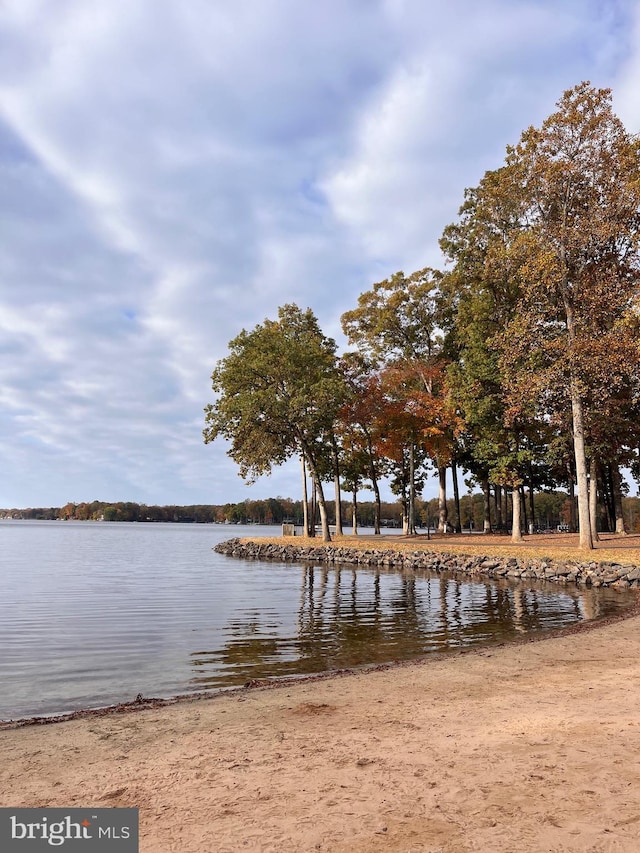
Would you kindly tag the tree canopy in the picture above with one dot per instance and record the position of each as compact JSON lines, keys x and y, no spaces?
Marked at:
{"x":278,"y":394}
{"x":519,"y":362}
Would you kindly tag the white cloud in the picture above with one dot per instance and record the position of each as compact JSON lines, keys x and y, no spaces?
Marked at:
{"x":461,"y":92}
{"x":627,"y":79}
{"x":173,"y":172}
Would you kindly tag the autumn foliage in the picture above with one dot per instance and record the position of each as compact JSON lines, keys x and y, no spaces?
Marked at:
{"x":518,"y":363}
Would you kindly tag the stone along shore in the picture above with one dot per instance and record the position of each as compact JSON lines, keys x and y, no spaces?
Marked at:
{"x":584,"y":573}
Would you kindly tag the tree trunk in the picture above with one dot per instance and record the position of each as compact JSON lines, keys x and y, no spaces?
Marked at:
{"x":338,"y":501}
{"x":336,"y":484}
{"x":318,"y":494}
{"x":616,"y":484}
{"x":305,"y":497}
{"x":442,"y":498}
{"x":607,"y":495}
{"x":584,"y":525}
{"x":456,"y":495}
{"x":573,"y":524}
{"x":523,"y":509}
{"x":324,"y":519}
{"x":374,"y":483}
{"x":411,"y":526}
{"x":354,"y":510}
{"x":593,"y":497}
{"x":486,"y":506}
{"x":313,"y":512}
{"x":497,"y":503}
{"x":338,"y":504}
{"x":602,"y":503}
{"x":532,"y":502}
{"x":516,"y":534}
{"x":377,"y":506}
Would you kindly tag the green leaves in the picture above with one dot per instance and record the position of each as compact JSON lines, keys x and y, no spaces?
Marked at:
{"x":396,"y":318}
{"x":278,"y":392}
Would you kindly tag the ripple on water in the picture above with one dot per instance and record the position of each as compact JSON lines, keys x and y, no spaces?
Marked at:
{"x":94,"y":614}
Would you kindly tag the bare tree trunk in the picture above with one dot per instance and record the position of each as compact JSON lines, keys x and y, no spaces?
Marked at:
{"x":607,"y":494}
{"x":523,"y":508}
{"x":377,"y":505}
{"x":456,"y":495}
{"x":324,"y":519}
{"x":411,"y":526}
{"x":593,"y":497}
{"x":354,"y":510}
{"x":313,"y":512}
{"x":336,"y":485}
{"x":584,"y":525}
{"x":503,"y":501}
{"x":516,"y":535}
{"x":305,"y":497}
{"x":486,"y":505}
{"x":602,"y":503}
{"x":573,"y":524}
{"x":376,"y":489}
{"x":442,"y":498}
{"x":338,"y":502}
{"x":497,"y":503}
{"x":616,"y":483}
{"x":532,"y":502}
{"x":318,"y":494}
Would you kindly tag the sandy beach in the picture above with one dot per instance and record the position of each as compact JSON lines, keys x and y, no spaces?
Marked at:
{"x":526,"y":747}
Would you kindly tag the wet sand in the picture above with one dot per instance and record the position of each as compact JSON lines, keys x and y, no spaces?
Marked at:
{"x":526,"y":747}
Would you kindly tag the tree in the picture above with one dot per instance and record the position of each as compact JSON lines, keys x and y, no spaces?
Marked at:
{"x":396,"y":319}
{"x":394,"y":326}
{"x":577,"y":179}
{"x":547,"y":251}
{"x":278,"y":394}
{"x":478,"y":298}
{"x":361,"y":424}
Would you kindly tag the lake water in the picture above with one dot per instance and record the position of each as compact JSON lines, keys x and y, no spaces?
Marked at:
{"x":93,"y":614}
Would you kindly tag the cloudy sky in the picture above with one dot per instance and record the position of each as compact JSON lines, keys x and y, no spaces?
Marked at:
{"x":174,"y":170}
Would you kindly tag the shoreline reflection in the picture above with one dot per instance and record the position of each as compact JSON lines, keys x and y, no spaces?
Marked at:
{"x":353,"y":616}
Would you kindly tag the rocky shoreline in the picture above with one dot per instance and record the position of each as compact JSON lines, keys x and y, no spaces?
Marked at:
{"x":583,"y":573}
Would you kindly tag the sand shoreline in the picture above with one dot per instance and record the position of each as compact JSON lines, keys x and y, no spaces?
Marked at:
{"x":526,"y":746}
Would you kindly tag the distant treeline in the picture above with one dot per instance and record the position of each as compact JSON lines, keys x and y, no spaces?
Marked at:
{"x":551,"y":509}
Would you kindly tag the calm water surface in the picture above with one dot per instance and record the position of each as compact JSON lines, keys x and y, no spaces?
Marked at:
{"x":96,"y":613}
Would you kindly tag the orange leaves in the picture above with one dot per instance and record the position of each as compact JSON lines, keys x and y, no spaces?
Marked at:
{"x":418,"y":403}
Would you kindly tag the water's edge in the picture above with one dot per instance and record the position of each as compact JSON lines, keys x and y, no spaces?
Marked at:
{"x":588,"y":573}
{"x":142,"y":703}
{"x":596,"y":574}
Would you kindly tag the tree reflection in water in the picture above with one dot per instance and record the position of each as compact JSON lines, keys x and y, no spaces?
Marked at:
{"x":349,"y":617}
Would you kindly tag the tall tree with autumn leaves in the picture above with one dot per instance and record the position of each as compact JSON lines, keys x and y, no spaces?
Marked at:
{"x":540,"y":310}
{"x":361,"y":426}
{"x":479,"y":295}
{"x":557,"y":228}
{"x":578,"y":181}
{"x":395,"y":327}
